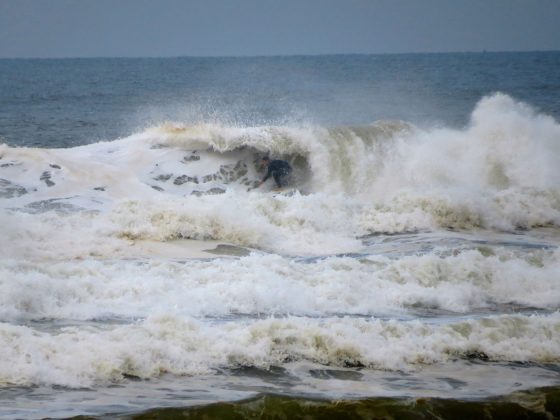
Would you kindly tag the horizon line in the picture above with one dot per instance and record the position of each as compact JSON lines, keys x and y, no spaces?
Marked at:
{"x":484,"y":51}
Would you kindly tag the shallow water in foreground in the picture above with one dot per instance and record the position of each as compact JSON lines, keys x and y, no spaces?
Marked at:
{"x":538,"y":404}
{"x":541,"y":403}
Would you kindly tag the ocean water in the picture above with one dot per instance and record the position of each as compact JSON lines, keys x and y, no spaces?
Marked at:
{"x":413,"y":269}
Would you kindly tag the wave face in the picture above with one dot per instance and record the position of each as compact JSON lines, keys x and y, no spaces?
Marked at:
{"x":405,"y":262}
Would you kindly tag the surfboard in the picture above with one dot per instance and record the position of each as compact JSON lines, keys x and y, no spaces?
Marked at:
{"x":287,"y":191}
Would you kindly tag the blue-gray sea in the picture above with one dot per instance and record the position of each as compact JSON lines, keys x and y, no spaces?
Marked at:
{"x":412,"y":267}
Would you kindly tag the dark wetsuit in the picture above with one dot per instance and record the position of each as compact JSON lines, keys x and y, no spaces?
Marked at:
{"x":280,"y":171}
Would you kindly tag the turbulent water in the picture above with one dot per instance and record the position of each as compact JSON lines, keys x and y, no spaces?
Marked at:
{"x":411,"y":259}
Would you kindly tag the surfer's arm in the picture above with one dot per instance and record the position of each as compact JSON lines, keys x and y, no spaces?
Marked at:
{"x":268,"y":173}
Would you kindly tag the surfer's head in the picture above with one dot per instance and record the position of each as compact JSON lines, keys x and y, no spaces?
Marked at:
{"x":265,"y":160}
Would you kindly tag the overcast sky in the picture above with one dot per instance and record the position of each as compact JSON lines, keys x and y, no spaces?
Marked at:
{"x":107,"y":28}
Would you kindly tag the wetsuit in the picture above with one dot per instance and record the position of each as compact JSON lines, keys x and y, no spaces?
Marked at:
{"x":280,"y":171}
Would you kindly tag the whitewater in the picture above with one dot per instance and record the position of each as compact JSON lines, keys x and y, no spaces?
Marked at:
{"x":410,"y":261}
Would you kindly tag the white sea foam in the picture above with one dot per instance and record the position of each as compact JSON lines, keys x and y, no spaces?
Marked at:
{"x":263,"y":284}
{"x":163,"y":343}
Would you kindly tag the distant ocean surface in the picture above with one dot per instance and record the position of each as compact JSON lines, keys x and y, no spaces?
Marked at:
{"x":413,"y":270}
{"x":71,"y":102}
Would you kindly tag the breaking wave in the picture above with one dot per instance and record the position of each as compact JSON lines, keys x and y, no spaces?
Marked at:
{"x":195,"y":181}
{"x":182,"y":346}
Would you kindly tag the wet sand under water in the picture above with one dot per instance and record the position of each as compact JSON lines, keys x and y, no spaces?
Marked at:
{"x":541,"y":403}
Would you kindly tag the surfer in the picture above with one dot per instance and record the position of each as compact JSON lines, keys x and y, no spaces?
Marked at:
{"x":279,"y":169}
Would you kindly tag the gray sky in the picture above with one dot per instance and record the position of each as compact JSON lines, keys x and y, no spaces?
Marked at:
{"x":94,"y":28}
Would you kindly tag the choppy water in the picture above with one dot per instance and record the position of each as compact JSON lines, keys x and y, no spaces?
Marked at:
{"x":418,"y":257}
